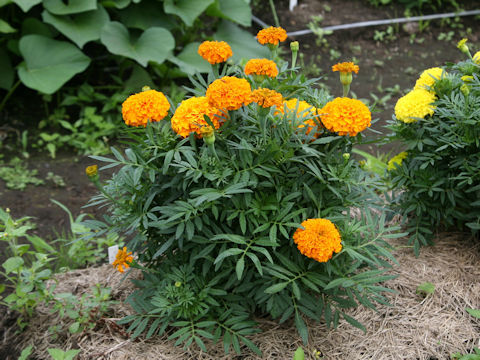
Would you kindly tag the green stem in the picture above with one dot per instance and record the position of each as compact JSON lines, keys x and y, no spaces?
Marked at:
{"x":274,"y":12}
{"x":346,"y":89}
{"x":10,"y":92}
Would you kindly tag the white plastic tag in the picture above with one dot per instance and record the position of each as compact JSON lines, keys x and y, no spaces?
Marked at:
{"x":112,"y":253}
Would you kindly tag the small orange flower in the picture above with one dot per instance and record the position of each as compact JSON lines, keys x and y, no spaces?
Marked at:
{"x":267,"y":98}
{"x":318,"y":239}
{"x":345,"y":116}
{"x":261,"y":67}
{"x":229,"y":93}
{"x":271,"y":35}
{"x":145,"y":106}
{"x":346,"y":67}
{"x":91,"y":170}
{"x":215,"y":51}
{"x":189,"y":116}
{"x":123,"y":260}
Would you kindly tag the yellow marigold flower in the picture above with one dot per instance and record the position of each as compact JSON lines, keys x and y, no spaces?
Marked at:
{"x":123,"y":260}
{"x":145,"y":106}
{"x":305,"y":110}
{"x":346,"y":116}
{"x":462,"y":45}
{"x":229,"y":93}
{"x":271,"y":35}
{"x":267,"y":98}
{"x":428,"y":78}
{"x":215,"y":51}
{"x":396,"y":160}
{"x":346,"y":67}
{"x":476,"y":58}
{"x":91,"y":170}
{"x":189,"y":116}
{"x":261,"y":67}
{"x":416,"y":104}
{"x":318,"y":239}
{"x":467,"y":78}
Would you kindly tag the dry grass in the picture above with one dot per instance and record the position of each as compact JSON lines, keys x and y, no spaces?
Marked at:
{"x":413,"y":328}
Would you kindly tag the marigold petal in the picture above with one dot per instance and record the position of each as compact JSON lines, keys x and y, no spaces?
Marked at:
{"x":416,"y":104}
{"x":261,"y":67}
{"x":215,"y":51}
{"x":271,"y":35}
{"x":346,"y":116}
{"x":229,"y":93}
{"x":145,"y":106}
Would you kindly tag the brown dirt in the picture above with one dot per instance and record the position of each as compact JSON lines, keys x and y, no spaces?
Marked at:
{"x":413,"y":328}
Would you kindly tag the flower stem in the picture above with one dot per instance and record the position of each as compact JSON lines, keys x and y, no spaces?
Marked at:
{"x":274,"y":12}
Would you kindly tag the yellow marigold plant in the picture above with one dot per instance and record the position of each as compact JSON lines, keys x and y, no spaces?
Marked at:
{"x":139,"y":109}
{"x":215,"y":52}
{"x":237,"y":206}
{"x":417,"y":104}
{"x":438,"y":183}
{"x":261,"y":67}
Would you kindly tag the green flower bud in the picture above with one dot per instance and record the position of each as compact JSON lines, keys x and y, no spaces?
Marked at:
{"x":294,"y":46}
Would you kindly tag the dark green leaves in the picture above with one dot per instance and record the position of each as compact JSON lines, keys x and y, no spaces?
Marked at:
{"x":41,"y":71}
{"x":187,"y":10}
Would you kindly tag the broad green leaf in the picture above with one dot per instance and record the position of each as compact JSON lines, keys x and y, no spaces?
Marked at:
{"x":12,"y":264}
{"x":80,"y":28}
{"x":26,"y":353}
{"x":138,"y":79}
{"x":154,"y":44}
{"x":58,"y":7}
{"x":35,"y":26}
{"x":426,"y":288}
{"x":7,"y":74}
{"x":299,"y":354}
{"x":243,"y":44}
{"x":5,"y":27}
{"x":238,"y":11}
{"x":146,"y":15}
{"x":26,"y":5}
{"x":187,"y":10}
{"x":189,"y":61}
{"x":119,"y":4}
{"x":49,"y":63}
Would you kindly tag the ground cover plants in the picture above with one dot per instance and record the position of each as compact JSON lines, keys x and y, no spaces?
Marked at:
{"x":239,"y":202}
{"x":436,"y":179}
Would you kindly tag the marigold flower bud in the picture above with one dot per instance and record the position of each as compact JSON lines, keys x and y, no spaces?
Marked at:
{"x":465,"y":89}
{"x":91,"y":170}
{"x":178,"y":284}
{"x":294,"y":46}
{"x":462,"y":45}
{"x":346,"y":156}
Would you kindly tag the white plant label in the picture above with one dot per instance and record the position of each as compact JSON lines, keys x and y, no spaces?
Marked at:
{"x":112,"y":253}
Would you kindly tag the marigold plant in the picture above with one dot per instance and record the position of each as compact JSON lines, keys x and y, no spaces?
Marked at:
{"x":190,"y":115}
{"x":248,"y":215}
{"x":346,"y":116}
{"x":271,"y":35}
{"x":215,"y":52}
{"x":261,"y":67}
{"x":139,"y":109}
{"x":437,"y":186}
{"x":229,"y":93}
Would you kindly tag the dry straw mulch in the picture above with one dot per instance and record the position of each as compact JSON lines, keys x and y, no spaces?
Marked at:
{"x":415,"y":327}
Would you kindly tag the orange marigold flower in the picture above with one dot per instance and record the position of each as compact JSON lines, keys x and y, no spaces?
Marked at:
{"x":229,"y":93}
{"x":189,"y":116}
{"x":271,"y":35}
{"x":123,"y":260}
{"x":267,"y":98}
{"x":305,"y":110}
{"x":215,"y":51}
{"x":261,"y":67}
{"x":145,"y":106}
{"x":318,"y":239}
{"x":346,"y":116}
{"x":346,"y":67}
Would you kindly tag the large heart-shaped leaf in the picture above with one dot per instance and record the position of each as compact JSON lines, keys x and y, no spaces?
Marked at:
{"x":80,"y":28}
{"x":188,"y":10}
{"x":146,"y":15}
{"x":238,"y":11}
{"x":6,"y":71}
{"x":49,"y":63}
{"x":58,"y":7}
{"x":189,"y":61}
{"x":243,"y":43}
{"x":154,"y":44}
{"x":26,"y":5}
